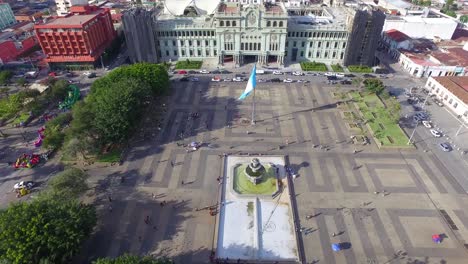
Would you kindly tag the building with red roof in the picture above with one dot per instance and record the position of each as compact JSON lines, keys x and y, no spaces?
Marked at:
{"x":452,"y":91}
{"x":16,"y":41}
{"x":80,"y":38}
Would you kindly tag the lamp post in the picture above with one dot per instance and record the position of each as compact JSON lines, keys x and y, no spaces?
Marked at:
{"x":102,"y":61}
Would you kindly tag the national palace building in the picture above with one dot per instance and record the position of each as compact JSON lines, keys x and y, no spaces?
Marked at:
{"x":244,"y":31}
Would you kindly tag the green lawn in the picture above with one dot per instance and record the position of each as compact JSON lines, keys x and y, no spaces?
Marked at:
{"x":389,"y":129}
{"x":313,"y":66}
{"x":242,"y":184}
{"x":360,"y":68}
{"x":23,"y":117}
{"x":188,"y":65}
{"x":111,"y":156}
{"x":337,"y":68}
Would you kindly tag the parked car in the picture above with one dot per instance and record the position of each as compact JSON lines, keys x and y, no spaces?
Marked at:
{"x":417,"y":108}
{"x":184,"y":79}
{"x":332,"y":78}
{"x":275,"y":80}
{"x":427,"y":123}
{"x":350,"y":75}
{"x":437,"y":102}
{"x":23,"y":184}
{"x":436,"y":133}
{"x":288,"y":80}
{"x":303,"y":81}
{"x":238,"y":79}
{"x":225,"y":72}
{"x":204,"y":72}
{"x":261,"y":80}
{"x":215,"y":72}
{"x":311,"y":73}
{"x":346,"y":82}
{"x":445,"y":146}
{"x":216,"y":79}
{"x":367,"y":75}
{"x":182,"y":72}
{"x":192,"y":72}
{"x":277,"y":73}
{"x":52,"y":74}
{"x":194,"y":79}
{"x":297,"y":73}
{"x":329,"y":74}
{"x":227,"y":80}
{"x":92,"y":75}
{"x":339,"y":75}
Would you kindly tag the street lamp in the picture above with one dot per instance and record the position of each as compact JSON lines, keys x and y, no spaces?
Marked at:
{"x":102,"y":62}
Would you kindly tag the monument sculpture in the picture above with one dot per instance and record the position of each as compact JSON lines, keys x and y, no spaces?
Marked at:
{"x":254,"y":171}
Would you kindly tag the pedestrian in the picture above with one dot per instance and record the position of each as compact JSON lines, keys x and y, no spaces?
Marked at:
{"x":110,"y":208}
{"x":153,"y":195}
{"x":182,"y":182}
{"x":161,"y":204}
{"x":333,"y":234}
{"x":172,"y":163}
{"x":110,"y":198}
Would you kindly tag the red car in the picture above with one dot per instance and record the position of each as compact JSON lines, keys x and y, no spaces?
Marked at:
{"x":182,"y":72}
{"x":52,"y":74}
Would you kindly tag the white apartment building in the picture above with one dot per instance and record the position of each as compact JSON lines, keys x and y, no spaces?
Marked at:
{"x":63,"y":6}
{"x":452,"y":91}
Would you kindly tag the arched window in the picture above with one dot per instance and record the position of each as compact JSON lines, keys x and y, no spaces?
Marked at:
{"x":269,"y":24}
{"x":228,"y":23}
{"x":281,"y":24}
{"x":274,"y":24}
{"x":233,"y":23}
{"x":221,"y":23}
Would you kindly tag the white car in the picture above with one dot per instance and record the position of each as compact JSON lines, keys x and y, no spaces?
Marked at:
{"x":288,"y":80}
{"x":436,"y":133}
{"x":302,"y":81}
{"x":216,"y":79}
{"x":237,"y":79}
{"x":23,"y":184}
{"x":339,"y":75}
{"x":261,"y":80}
{"x":204,"y":71}
{"x":86,"y":73}
{"x":329,"y":74}
{"x":296,"y":73}
{"x":427,"y":124}
{"x":227,"y":80}
{"x":277,"y":73}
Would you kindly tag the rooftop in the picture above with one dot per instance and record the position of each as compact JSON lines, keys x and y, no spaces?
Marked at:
{"x":458,"y":85}
{"x":419,"y":58}
{"x":452,"y":57}
{"x":72,"y":20}
{"x":397,"y":35}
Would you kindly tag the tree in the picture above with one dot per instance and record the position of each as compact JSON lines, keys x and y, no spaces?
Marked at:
{"x":44,"y":229}
{"x":21,"y":81}
{"x":58,"y":90}
{"x":54,"y":135}
{"x":117,"y":109}
{"x":374,"y":85}
{"x":5,"y":91}
{"x":70,"y":183}
{"x":5,"y":77}
{"x":464,"y":19}
{"x":131,"y":259}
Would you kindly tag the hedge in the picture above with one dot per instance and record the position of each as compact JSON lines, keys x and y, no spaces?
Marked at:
{"x":360,"y":68}
{"x":313,"y":66}
{"x":188,"y":64}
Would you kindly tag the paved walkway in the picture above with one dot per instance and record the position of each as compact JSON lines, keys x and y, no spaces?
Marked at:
{"x":385,"y":205}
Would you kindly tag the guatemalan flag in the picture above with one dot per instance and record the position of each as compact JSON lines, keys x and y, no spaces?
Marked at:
{"x":250,"y":84}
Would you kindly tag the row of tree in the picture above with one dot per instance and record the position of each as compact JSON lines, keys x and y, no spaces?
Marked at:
{"x":114,"y":106}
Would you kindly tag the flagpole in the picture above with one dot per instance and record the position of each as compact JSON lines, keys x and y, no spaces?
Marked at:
{"x":253,"y":102}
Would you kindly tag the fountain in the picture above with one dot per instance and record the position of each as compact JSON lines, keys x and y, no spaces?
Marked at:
{"x":254,"y":171}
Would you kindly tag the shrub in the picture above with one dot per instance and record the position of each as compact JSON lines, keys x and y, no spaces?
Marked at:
{"x":188,"y":64}
{"x":359,"y":68}
{"x":313,"y":66}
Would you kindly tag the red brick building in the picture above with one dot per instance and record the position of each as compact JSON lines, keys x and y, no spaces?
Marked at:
{"x":79,"y":38}
{"x":16,"y":41}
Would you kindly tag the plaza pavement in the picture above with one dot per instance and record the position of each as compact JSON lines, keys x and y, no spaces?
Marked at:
{"x":387,"y":209}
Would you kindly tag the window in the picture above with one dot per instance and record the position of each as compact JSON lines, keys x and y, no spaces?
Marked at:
{"x":336,"y":45}
{"x":221,"y":23}
{"x":294,"y":44}
{"x":233,"y":23}
{"x":242,"y":46}
{"x":455,"y":105}
{"x":268,"y":23}
{"x":327,"y":44}
{"x":174,"y":43}
{"x":190,"y":43}
{"x":275,"y":24}
{"x":165,"y":43}
{"x":310,"y":44}
{"x":450,"y":101}
{"x":167,"y":53}
{"x":215,"y":52}
{"x":344,"y":45}
{"x":281,"y":24}
{"x":199,"y":52}
{"x":191,"y":52}
{"x":302,"y":53}
{"x":319,"y":44}
{"x":286,"y":44}
{"x":175,"y":52}
{"x":303,"y":44}
{"x":228,"y":23}
{"x":207,"y":43}
{"x":214,"y":42}
{"x":289,"y":34}
{"x":198,"y":43}
{"x":318,"y":54}
{"x":310,"y":54}
{"x":326,"y":54}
